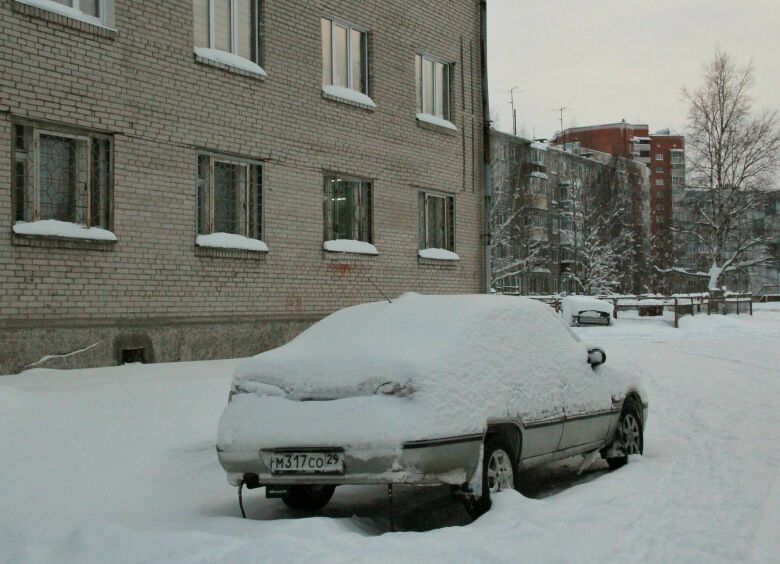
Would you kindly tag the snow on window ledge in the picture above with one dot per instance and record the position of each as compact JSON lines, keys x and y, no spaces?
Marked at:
{"x":342,"y":94}
{"x":66,"y":11}
{"x":434,"y":120}
{"x":230,"y":60}
{"x":54,"y":228}
{"x":231,"y":241}
{"x":438,"y":254}
{"x":349,"y":246}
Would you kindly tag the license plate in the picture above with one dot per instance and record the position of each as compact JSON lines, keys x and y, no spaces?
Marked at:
{"x":306,"y":463}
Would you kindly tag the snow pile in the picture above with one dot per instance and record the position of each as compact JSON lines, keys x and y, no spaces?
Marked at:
{"x":441,"y":122}
{"x":437,"y":254}
{"x":350,"y":246}
{"x":230,"y":60}
{"x":230,"y":241}
{"x":572,"y":306}
{"x":460,"y":355}
{"x":55,"y":228}
{"x":348,"y":95}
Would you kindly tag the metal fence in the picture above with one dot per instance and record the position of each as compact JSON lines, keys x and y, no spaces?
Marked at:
{"x":651,"y":305}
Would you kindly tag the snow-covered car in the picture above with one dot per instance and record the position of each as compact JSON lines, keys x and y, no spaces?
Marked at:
{"x":577,"y":311}
{"x":458,"y":390}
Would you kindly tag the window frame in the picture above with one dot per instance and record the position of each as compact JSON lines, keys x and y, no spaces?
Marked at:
{"x":32,"y":169}
{"x":215,"y":157}
{"x":364,"y":67}
{"x":255,"y":31}
{"x":368,"y":200}
{"x":449,"y":235}
{"x":105,"y":8}
{"x":422,"y":56}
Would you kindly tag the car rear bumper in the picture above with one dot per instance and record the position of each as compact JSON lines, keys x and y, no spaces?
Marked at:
{"x":452,"y":460}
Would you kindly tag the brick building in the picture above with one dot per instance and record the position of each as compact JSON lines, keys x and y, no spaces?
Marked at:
{"x":664,"y":155}
{"x":150,"y":153}
{"x":546,"y":201}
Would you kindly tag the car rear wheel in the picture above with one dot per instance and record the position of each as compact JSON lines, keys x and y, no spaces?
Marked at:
{"x":629,"y":438}
{"x":308,"y":498}
{"x":499,"y":472}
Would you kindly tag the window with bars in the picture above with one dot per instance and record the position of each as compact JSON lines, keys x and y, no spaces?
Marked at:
{"x":437,"y":221}
{"x":62,"y":174}
{"x":348,"y":209}
{"x":344,"y":55}
{"x":232,"y":26}
{"x":229,"y":196}
{"x":432,"y":77}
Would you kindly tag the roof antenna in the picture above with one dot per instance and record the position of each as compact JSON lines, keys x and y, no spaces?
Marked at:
{"x":380,"y":291}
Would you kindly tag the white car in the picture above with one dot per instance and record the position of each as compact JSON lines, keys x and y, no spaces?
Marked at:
{"x":585,"y":310}
{"x":458,"y":390}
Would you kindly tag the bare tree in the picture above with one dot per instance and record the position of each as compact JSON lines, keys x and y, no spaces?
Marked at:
{"x":514,"y":253}
{"x":733,"y":154}
{"x":604,"y":250}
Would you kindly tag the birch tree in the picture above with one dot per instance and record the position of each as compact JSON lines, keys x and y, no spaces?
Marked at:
{"x":732,"y":157}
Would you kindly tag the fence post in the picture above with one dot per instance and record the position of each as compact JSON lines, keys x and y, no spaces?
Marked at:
{"x":751,"y":306}
{"x":677,"y":314}
{"x":614,"y":308}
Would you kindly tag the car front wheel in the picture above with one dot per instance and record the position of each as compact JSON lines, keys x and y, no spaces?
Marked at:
{"x":308,"y":498}
{"x":499,"y":472}
{"x":629,"y":438}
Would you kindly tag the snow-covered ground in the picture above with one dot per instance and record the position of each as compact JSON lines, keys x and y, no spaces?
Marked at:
{"x":118,"y":465}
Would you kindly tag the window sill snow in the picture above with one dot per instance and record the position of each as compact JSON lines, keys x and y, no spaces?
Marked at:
{"x":66,"y":11}
{"x":350,"y":246}
{"x":230,"y":241}
{"x":437,"y":254}
{"x":230,"y":60}
{"x":54,"y":228}
{"x":434,"y":120}
{"x":349,"y":95}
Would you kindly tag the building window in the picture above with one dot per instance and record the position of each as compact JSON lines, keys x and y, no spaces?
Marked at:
{"x":433,"y":86}
{"x":63,"y":175}
{"x":96,"y":12}
{"x":344,"y":56}
{"x":437,"y":221}
{"x":348,"y":210}
{"x":229,"y":196}
{"x":659,"y":170}
{"x":659,"y":181}
{"x":230,"y":26}
{"x":659,"y":156}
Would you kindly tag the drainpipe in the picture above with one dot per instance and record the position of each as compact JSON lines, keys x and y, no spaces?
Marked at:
{"x":486,"y":157}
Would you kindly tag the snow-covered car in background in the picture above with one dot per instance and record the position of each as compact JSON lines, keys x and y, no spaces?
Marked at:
{"x":428,"y":390}
{"x":577,"y":311}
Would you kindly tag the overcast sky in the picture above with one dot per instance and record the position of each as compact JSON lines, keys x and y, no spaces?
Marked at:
{"x":613,"y":59}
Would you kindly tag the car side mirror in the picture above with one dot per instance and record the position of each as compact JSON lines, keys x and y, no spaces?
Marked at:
{"x":596,"y":357}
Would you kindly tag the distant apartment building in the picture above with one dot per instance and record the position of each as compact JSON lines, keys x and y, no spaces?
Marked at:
{"x":199,"y":179}
{"x":693,"y":253}
{"x":664,"y":155}
{"x":541,"y":215}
